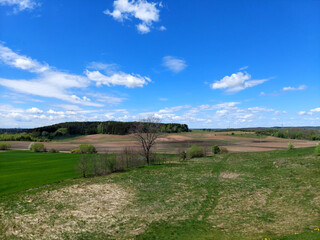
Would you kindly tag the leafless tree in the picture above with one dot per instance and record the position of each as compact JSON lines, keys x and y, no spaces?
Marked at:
{"x":146,"y":131}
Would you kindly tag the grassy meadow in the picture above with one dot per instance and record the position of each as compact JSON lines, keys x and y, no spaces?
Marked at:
{"x":273,"y":195}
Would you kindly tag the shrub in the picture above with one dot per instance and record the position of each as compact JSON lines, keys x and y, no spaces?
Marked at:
{"x":84,"y":148}
{"x":5,"y":146}
{"x":53,"y":150}
{"x":317,"y":150}
{"x":195,"y":151}
{"x":87,"y":148}
{"x":215,"y":149}
{"x":37,"y":147}
{"x":290,"y":146}
{"x":183,"y":155}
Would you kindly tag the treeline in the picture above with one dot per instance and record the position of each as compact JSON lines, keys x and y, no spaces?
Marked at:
{"x":109,"y":127}
{"x":11,"y":130}
{"x":291,"y":133}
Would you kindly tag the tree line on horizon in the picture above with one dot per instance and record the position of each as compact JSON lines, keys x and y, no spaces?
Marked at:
{"x":108,"y":127}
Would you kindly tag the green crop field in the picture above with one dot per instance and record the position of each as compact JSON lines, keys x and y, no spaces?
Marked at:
{"x":21,"y":170}
{"x":265,"y":195}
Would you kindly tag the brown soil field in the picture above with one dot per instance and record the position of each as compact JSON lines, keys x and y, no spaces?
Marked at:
{"x":170,"y":143}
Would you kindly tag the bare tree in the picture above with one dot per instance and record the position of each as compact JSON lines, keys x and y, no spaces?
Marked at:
{"x":146,"y":132}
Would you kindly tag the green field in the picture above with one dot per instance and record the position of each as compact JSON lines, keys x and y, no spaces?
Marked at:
{"x":273,"y":195}
{"x":21,"y":170}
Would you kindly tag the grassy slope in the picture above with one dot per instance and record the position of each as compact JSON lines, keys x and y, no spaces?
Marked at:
{"x":21,"y":170}
{"x":275,"y":195}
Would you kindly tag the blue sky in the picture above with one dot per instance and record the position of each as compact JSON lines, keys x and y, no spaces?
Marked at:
{"x":210,"y":64}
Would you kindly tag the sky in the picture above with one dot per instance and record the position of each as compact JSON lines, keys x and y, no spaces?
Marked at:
{"x":209,"y":64}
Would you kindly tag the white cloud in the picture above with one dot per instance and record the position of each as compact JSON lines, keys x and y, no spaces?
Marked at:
{"x":120,"y":78}
{"x":48,"y":83}
{"x":315,"y":110}
{"x":162,"y":28}
{"x":54,"y":112}
{"x":34,"y":110}
{"x":260,"y":109}
{"x":174,"y":64}
{"x":109,"y":68}
{"x":173,"y":109}
{"x":301,"y":87}
{"x":236,"y":82}
{"x":146,"y":12}
{"x":143,"y":28}
{"x":52,"y":83}
{"x":243,"y":68}
{"x":13,"y":59}
{"x":19,"y":5}
{"x":302,"y":113}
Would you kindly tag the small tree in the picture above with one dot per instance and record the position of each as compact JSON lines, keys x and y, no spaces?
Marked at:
{"x":215,"y":149}
{"x":146,"y":132}
{"x":83,"y":165}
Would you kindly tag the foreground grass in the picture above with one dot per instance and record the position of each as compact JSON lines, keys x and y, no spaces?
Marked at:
{"x":234,"y":196}
{"x":21,"y":170}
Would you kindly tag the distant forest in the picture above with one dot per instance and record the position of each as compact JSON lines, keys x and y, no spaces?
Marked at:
{"x":80,"y":128}
{"x":109,"y":127}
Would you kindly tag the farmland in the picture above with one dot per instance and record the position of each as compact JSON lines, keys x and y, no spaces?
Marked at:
{"x":21,"y":170}
{"x":170,"y":143}
{"x":273,"y":194}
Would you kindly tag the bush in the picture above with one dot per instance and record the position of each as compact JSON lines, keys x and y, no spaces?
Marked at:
{"x":290,"y":146}
{"x":195,"y":151}
{"x":53,"y":150}
{"x":317,"y":150}
{"x":183,"y":155}
{"x":84,"y":148}
{"x":215,"y":149}
{"x":37,"y":147}
{"x":87,"y":148}
{"x":5,"y":146}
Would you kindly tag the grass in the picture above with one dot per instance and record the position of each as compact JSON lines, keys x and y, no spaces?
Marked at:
{"x":234,"y":196}
{"x":21,"y":170}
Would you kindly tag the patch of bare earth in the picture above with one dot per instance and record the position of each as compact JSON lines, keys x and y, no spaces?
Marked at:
{"x":70,"y":210}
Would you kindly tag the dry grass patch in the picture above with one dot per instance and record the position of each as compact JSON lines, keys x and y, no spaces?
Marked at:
{"x":72,"y":209}
{"x":228,"y":175}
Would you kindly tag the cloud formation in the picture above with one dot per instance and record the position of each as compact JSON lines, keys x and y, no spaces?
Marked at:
{"x":300,"y":88}
{"x":236,"y":82}
{"x":52,"y":83}
{"x":174,"y":64}
{"x":19,"y":5}
{"x":146,"y":12}
{"x":118,"y":79}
